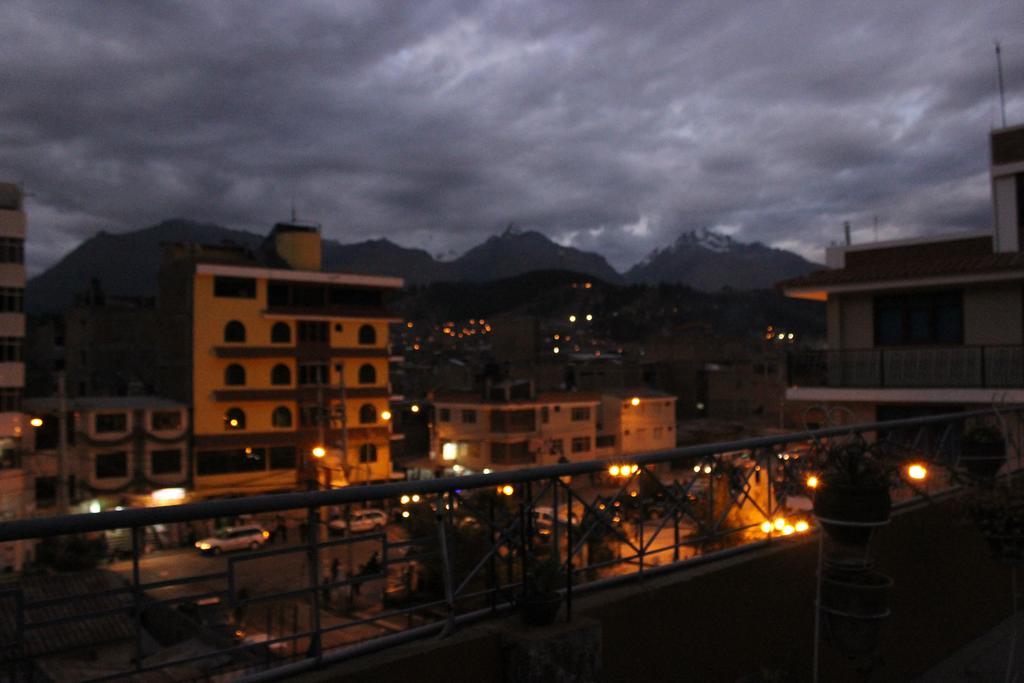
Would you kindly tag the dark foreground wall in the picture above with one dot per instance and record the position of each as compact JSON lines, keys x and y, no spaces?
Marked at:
{"x":726,"y":622}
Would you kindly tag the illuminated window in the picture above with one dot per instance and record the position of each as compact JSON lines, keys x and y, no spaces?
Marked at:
{"x":234,"y":418}
{"x":234,"y":375}
{"x":280,"y":333}
{"x":367,"y":374}
{"x":234,"y":331}
{"x":367,"y":335}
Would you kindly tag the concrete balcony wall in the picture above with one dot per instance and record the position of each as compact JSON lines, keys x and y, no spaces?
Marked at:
{"x":727,"y":620}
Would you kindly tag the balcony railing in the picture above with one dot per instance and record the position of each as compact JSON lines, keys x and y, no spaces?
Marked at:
{"x":449,"y":551}
{"x":952,"y":367}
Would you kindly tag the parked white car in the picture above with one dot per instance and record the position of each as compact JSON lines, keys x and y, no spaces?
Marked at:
{"x":251,"y":537}
{"x":370,"y":519}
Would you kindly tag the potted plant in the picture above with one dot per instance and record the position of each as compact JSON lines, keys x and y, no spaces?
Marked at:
{"x":854,"y":601}
{"x":852,"y":496}
{"x":541,"y":599}
{"x":999,"y":515}
{"x":983,"y":451}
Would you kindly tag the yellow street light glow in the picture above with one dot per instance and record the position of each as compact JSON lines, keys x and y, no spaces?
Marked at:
{"x":812,"y":482}
{"x":635,"y":401}
{"x":415,"y":497}
{"x":233,"y":422}
{"x":36,"y":422}
{"x":405,"y":500}
{"x":780,"y":523}
{"x":415,"y":408}
{"x":788,"y":530}
{"x":613,"y":470}
{"x":319,"y":451}
{"x":917,"y":471}
{"x":766,"y":526}
{"x":405,"y":513}
{"x":696,"y":468}
{"x":589,"y":316}
{"x":449,"y":451}
{"x":707,"y":469}
{"x":507,"y":489}
{"x":556,"y":349}
{"x":385,"y":415}
{"x":572,"y":318}
{"x":171,"y":495}
{"x":801,"y":526}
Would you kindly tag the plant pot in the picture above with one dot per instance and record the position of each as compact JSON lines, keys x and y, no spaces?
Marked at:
{"x":1001,"y":523}
{"x":982,"y":460}
{"x":854,"y":602}
{"x":849,"y":514}
{"x":541,"y":610}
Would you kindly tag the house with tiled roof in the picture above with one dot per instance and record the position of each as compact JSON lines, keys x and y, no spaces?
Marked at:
{"x":922,"y":325}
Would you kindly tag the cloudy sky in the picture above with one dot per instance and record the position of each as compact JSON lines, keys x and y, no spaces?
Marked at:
{"x":608,"y":126}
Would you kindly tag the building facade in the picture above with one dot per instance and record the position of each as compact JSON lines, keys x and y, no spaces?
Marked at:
{"x":922,"y":325}
{"x":636,"y":421}
{"x":285,"y":366}
{"x":13,"y":499}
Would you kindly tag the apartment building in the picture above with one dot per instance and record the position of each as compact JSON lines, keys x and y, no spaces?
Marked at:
{"x":119,"y":451}
{"x":13,"y":501}
{"x":634,"y":421}
{"x":510,"y":425}
{"x":285,"y":366}
{"x":922,"y":325}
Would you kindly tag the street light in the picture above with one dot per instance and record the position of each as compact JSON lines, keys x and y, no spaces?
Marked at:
{"x":917,"y":472}
{"x":385,"y":415}
{"x":415,"y":408}
{"x":319,"y":451}
{"x":635,"y":401}
{"x":812,"y":482}
{"x":36,"y":422}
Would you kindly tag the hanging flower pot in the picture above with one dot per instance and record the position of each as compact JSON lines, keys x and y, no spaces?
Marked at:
{"x":541,"y":600}
{"x":999,"y":515}
{"x":852,"y":497}
{"x":854,"y":602}
{"x":983,"y":451}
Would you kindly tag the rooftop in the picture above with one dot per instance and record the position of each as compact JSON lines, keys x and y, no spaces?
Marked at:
{"x":93,"y":403}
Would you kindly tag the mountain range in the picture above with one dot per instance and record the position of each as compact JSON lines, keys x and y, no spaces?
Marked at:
{"x":126,"y":264}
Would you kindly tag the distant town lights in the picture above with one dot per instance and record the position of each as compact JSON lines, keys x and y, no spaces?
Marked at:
{"x":414,"y":408}
{"x":812,"y":482}
{"x":555,"y":350}
{"x":572,"y":318}
{"x":170,"y":495}
{"x":589,"y":317}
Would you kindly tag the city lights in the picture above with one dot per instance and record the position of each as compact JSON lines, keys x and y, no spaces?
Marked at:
{"x":572,"y":318}
{"x":555,"y":350}
{"x":449,"y":451}
{"x":766,"y":526}
{"x":613,"y":470}
{"x":170,"y":495}
{"x":801,"y":526}
{"x":506,"y":490}
{"x":385,"y":415}
{"x":36,"y":422}
{"x":319,"y":451}
{"x":589,"y":317}
{"x":415,"y":408}
{"x":812,"y":482}
{"x":635,"y":401}
{"x":917,"y":472}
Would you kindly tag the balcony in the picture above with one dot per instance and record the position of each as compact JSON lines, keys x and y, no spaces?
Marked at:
{"x":708,"y":567}
{"x":952,"y":367}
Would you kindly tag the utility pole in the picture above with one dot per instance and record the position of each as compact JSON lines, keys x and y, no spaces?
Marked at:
{"x":1002,"y":94}
{"x":62,"y":445}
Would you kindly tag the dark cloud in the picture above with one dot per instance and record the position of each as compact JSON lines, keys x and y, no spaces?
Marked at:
{"x":608,"y":126}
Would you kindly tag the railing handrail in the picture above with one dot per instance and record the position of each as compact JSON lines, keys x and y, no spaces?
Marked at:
{"x":123,"y":519}
{"x":904,"y":347}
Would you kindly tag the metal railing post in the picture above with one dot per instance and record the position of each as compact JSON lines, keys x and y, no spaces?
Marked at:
{"x":313,"y":559}
{"x":446,"y":566}
{"x":136,"y":598}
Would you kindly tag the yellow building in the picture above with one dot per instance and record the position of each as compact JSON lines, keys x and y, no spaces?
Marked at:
{"x":279,"y":357}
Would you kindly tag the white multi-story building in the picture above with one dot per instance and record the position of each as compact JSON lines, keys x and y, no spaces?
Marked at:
{"x":13,"y":499}
{"x":636,"y":421}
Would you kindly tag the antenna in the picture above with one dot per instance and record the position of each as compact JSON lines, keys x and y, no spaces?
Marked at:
{"x":999,"y":71}
{"x":293,"y":208}
{"x":846,"y":231}
{"x":876,"y":227}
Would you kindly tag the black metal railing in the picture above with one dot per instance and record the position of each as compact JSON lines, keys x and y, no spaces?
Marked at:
{"x":940,"y":367}
{"x":448,"y":551}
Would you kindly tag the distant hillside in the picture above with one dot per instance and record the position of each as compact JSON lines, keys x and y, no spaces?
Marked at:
{"x":709,"y":261}
{"x":513,"y":253}
{"x":383,"y":257}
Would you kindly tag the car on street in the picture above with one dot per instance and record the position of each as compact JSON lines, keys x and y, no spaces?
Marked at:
{"x":249,"y":537}
{"x":359,"y":521}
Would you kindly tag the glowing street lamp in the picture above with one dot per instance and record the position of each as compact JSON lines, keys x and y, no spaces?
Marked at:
{"x":812,"y":482}
{"x":572,"y":318}
{"x":36,"y":422}
{"x":801,"y":526}
{"x":415,"y":408}
{"x":635,"y":401}
{"x":917,"y":471}
{"x":319,"y":451}
{"x":385,"y":415}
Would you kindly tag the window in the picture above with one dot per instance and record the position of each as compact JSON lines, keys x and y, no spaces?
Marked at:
{"x":367,"y":453}
{"x":277,"y":294}
{"x":12,"y":250}
{"x":309,"y":415}
{"x":234,"y":418}
{"x":281,"y":417}
{"x":111,"y":422}
{"x":10,"y":400}
{"x":580,"y":414}
{"x":580,"y":444}
{"x":557,"y":446}
{"x":112,"y":465}
{"x":46,"y":492}
{"x":280,"y":333}
{"x":444,"y":415}
{"x":313,"y":332}
{"x":313,"y":374}
{"x":234,"y":375}
{"x":919,"y":319}
{"x":165,"y":462}
{"x":281,"y":375}
{"x":605,"y":441}
{"x":234,"y":287}
{"x":12,"y":300}
{"x":469,"y":417}
{"x":283,"y":458}
{"x":231,"y":461}
{"x":367,"y":335}
{"x":367,"y":414}
{"x":545,"y":414}
{"x":165,"y":420}
{"x":10,"y":349}
{"x":367,"y":374}
{"x":234,"y":332}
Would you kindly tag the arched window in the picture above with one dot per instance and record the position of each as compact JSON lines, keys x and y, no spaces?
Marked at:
{"x":234,"y":418}
{"x":367,"y":415}
{"x":367,"y":453}
{"x":367,"y":335}
{"x":280,"y":333}
{"x":234,"y":331}
{"x":234,"y":375}
{"x":281,"y":374}
{"x":281,"y":417}
{"x":367,"y":374}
